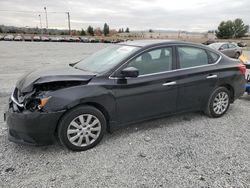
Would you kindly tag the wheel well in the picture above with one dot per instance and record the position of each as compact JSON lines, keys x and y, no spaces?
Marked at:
{"x":96,"y":105}
{"x":230,"y":89}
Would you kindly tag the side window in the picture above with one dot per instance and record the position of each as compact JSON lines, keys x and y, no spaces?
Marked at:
{"x":224,"y":46}
{"x":213,"y":57}
{"x":232,"y":46}
{"x":192,"y":57}
{"x":158,"y":60}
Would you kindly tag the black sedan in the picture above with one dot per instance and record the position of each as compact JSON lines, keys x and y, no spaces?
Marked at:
{"x":121,"y":84}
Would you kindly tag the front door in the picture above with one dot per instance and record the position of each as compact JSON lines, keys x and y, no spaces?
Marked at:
{"x":153,"y":92}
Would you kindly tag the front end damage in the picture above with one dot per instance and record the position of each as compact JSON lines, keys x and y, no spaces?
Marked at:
{"x":36,"y":99}
{"x":29,"y":120}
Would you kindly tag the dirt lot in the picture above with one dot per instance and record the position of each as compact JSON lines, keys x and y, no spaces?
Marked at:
{"x":189,"y":150}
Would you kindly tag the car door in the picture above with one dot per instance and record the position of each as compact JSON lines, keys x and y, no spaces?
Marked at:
{"x":233,"y":50}
{"x":153,"y":92}
{"x":197,"y":77}
{"x":226,"y":50}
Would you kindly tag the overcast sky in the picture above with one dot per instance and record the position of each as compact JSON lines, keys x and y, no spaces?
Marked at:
{"x":191,"y":15}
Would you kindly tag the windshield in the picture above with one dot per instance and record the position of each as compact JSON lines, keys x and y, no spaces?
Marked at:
{"x":106,"y":58}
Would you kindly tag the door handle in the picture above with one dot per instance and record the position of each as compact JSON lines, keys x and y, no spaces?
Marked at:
{"x":169,"y":83}
{"x":212,"y":76}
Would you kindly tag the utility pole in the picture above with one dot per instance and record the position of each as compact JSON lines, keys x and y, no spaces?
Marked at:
{"x":69,"y":22}
{"x":41,"y":27}
{"x":45,"y":9}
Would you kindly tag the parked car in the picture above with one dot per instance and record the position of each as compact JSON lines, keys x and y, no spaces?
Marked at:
{"x":1,"y":37}
{"x":75,"y":39}
{"x":37,"y":38}
{"x":242,"y":44}
{"x":27,"y":38}
{"x":45,"y":39}
{"x":119,"y":85}
{"x":209,"y":41}
{"x":56,"y":39}
{"x":227,"y":48}
{"x":18,"y":38}
{"x":84,"y":39}
{"x":93,"y":40}
{"x":9,"y":38}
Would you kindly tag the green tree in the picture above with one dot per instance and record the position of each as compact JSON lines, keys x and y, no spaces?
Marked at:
{"x":232,"y":29}
{"x":1,"y":30}
{"x":225,"y":30}
{"x":82,"y":33}
{"x":127,"y":30}
{"x":150,"y":31}
{"x":106,"y":29}
{"x":90,"y":30}
{"x":239,"y":28}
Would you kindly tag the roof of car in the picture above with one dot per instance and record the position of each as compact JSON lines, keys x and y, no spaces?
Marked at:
{"x":144,"y":43}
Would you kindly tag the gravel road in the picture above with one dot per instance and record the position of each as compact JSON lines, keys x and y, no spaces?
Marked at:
{"x":189,"y":150}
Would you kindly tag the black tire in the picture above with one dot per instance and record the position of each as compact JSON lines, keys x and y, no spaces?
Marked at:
{"x":210,"y":108}
{"x":237,"y":55}
{"x":71,"y":117}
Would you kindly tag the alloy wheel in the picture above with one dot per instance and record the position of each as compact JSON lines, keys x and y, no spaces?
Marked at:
{"x":84,"y":130}
{"x":221,"y":102}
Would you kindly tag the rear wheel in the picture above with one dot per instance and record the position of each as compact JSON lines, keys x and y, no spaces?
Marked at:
{"x":237,"y":55}
{"x":81,"y":128}
{"x":218,"y":102}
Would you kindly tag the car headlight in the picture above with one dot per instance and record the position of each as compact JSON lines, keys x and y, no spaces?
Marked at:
{"x":37,"y":103}
{"x":43,"y":102}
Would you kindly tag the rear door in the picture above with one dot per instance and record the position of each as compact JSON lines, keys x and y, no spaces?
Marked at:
{"x":226,"y":50}
{"x":197,"y":77}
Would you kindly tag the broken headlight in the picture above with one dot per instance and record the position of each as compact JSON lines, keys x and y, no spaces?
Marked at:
{"x":36,"y":103}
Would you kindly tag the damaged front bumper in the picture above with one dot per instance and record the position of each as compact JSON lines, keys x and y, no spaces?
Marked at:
{"x":30,"y":127}
{"x":33,"y":128}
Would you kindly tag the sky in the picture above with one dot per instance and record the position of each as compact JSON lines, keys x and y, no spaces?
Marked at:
{"x":189,"y":15}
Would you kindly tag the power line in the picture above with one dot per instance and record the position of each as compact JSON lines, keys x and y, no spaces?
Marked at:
{"x":21,"y":11}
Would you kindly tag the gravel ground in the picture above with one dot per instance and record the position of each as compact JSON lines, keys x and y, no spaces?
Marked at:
{"x":189,"y":150}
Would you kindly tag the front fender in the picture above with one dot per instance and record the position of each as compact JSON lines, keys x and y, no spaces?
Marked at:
{"x":68,"y":98}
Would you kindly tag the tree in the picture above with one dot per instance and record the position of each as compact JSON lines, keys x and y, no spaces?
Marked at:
{"x":232,"y":29}
{"x":82,"y":33}
{"x":90,"y":31}
{"x":1,"y":30}
{"x":98,"y":31}
{"x":239,"y":28}
{"x":150,"y":31}
{"x":106,"y":29}
{"x":225,"y":30}
{"x":127,"y":30}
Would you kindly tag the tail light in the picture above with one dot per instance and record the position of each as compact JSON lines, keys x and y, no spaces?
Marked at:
{"x":243,"y":69}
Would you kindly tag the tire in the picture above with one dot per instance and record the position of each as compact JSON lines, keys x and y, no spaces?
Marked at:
{"x":218,"y":103}
{"x":81,"y":128}
{"x":237,"y":55}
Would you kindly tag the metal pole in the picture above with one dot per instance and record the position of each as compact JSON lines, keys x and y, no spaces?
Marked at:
{"x":41,"y":27}
{"x":69,"y":23}
{"x":46,"y":17}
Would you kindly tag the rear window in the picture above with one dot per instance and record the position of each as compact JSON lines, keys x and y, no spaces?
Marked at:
{"x":192,"y":57}
{"x":213,"y":57}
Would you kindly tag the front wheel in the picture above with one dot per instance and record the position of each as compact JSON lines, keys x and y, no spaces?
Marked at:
{"x":81,"y":128}
{"x":218,"y":102}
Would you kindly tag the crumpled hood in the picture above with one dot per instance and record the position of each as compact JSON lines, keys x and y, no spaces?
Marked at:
{"x":46,"y":75}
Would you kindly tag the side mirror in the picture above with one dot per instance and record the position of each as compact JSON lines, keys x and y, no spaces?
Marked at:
{"x":220,"y":48}
{"x":130,"y":72}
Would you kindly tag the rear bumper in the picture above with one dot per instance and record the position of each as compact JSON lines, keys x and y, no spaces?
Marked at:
{"x":32,"y":128}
